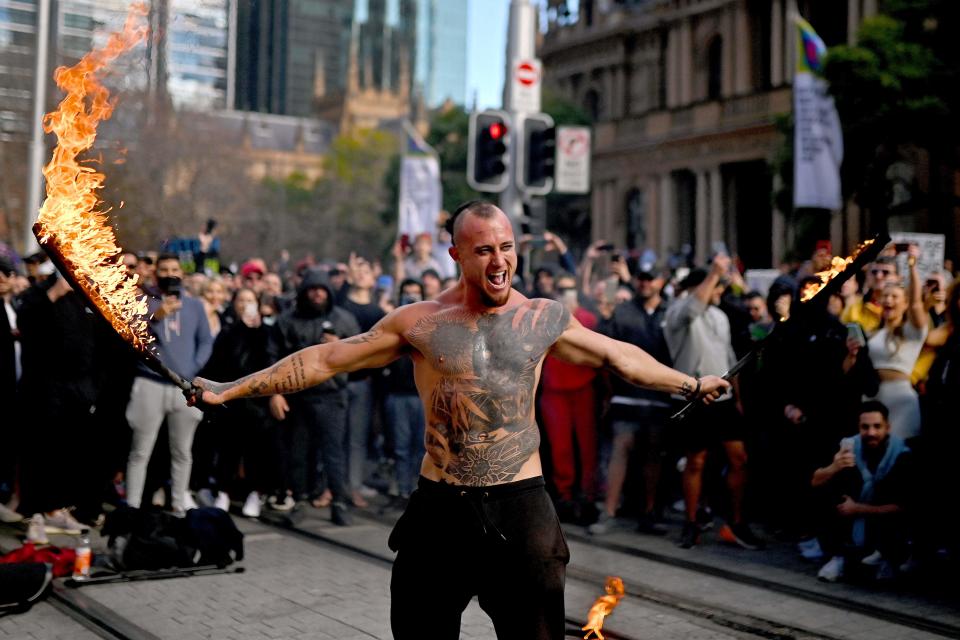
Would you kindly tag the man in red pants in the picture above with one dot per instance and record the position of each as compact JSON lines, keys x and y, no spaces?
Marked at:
{"x":568,"y":409}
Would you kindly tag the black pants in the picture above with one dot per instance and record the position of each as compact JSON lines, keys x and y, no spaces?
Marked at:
{"x":315,"y":434}
{"x":501,"y":543}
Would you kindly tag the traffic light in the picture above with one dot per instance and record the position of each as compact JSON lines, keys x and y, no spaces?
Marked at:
{"x":537,"y":154}
{"x":488,"y":156}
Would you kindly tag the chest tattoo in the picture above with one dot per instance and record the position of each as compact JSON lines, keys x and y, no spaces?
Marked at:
{"x":480,"y":426}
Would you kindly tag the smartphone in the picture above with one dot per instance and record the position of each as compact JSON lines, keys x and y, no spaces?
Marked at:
{"x":605,"y":247}
{"x":570,"y":296}
{"x":538,"y":242}
{"x":610,"y":289}
{"x":385,"y":282}
{"x":902,"y":247}
{"x":211,"y":225}
{"x":855,"y":332}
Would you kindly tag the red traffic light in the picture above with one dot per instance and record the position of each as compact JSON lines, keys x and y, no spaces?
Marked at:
{"x":497,"y":130}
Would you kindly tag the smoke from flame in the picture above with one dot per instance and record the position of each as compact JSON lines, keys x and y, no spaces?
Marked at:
{"x":603,"y":607}
{"x":837,"y":265}
{"x":70,"y":215}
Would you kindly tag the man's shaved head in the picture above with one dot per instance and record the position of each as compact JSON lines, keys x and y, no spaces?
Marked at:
{"x":479,"y":208}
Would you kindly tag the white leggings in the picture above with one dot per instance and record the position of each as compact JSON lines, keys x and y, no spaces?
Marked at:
{"x":150,"y":403}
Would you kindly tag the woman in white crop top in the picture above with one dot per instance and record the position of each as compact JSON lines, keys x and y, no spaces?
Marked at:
{"x":895,"y":347}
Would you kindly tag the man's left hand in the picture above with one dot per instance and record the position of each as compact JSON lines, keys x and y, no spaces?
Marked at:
{"x":712,"y":387}
{"x":849,"y":507}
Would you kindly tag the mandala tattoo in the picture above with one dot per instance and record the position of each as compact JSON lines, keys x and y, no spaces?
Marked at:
{"x":480,"y":426}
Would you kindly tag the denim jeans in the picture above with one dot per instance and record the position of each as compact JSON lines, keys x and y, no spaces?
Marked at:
{"x":359,"y":414}
{"x":405,"y":417}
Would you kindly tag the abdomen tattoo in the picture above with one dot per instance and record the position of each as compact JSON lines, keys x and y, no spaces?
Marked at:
{"x":480,"y":419}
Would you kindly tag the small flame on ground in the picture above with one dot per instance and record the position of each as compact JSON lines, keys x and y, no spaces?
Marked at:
{"x":837,"y":266}
{"x":70,"y":215}
{"x":603,"y":607}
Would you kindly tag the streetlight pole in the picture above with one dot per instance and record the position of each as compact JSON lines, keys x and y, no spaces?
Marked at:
{"x":37,"y":148}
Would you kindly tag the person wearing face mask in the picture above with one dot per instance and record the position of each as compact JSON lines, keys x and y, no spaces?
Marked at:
{"x":244,"y":433}
{"x":179,"y":325}
{"x":314,"y":421}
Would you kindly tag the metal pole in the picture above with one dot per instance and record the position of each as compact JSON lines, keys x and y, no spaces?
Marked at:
{"x":37,"y":148}
{"x":521,"y":43}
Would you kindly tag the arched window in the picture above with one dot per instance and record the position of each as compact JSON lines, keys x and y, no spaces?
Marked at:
{"x":715,"y":68}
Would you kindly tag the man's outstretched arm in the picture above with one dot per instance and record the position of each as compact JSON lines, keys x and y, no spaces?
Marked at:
{"x":579,"y":345}
{"x":309,"y":367}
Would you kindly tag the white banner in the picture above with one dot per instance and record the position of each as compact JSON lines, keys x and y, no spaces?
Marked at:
{"x":420,"y":195}
{"x":818,"y":145}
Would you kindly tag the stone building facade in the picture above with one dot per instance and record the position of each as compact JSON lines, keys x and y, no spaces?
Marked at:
{"x":684,"y":95}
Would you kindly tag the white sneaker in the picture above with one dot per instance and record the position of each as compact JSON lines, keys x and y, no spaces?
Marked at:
{"x":284,"y":505}
{"x":832,"y":571}
{"x":368,"y":492}
{"x":603,"y":524}
{"x":60,"y":521}
{"x":205,"y":497}
{"x":810,"y":549}
{"x":251,"y":507}
{"x":222,"y":502}
{"x":910,"y":566}
{"x":188,"y":501}
{"x":36,"y":531}
{"x":8,"y":515}
{"x":872,"y":560}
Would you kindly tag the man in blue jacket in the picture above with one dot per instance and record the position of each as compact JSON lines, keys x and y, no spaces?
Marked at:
{"x":184,"y":343}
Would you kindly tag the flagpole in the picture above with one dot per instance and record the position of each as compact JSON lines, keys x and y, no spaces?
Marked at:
{"x":35,"y":169}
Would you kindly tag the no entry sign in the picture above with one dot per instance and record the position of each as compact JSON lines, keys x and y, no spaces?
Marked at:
{"x":525,"y":85}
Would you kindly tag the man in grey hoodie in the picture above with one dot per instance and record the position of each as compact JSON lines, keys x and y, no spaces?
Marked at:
{"x":184,"y":343}
{"x":317,"y":421}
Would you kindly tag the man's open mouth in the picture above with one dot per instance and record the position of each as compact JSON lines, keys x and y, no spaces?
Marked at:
{"x":497,"y":280}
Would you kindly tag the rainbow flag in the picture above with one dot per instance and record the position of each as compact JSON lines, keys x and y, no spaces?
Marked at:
{"x":810,"y":48}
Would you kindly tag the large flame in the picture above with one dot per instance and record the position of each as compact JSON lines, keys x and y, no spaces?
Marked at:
{"x":70,"y":218}
{"x":837,"y":266}
{"x":603,"y":607}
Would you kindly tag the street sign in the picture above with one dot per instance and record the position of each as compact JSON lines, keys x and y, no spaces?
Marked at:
{"x":572,"y":172}
{"x":526,"y":77}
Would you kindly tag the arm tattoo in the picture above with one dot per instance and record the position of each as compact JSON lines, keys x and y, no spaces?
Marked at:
{"x":287,"y":376}
{"x":367,"y":337}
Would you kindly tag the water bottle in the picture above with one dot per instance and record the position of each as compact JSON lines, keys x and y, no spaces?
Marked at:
{"x":81,"y":566}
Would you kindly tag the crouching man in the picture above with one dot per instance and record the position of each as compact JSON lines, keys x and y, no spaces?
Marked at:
{"x":866,"y":487}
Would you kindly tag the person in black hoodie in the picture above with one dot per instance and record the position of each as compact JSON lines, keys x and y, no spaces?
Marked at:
{"x":315,"y":418}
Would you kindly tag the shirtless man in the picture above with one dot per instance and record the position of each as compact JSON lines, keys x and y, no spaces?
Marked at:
{"x":480,"y":522}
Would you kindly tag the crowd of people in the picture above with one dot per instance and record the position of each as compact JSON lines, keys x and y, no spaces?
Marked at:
{"x":834,"y":437}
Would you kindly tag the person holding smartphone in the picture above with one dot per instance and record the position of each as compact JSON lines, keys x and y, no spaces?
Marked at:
{"x":896,"y":346}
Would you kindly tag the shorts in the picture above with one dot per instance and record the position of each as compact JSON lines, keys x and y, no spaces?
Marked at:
{"x":713,"y":424}
{"x":501,"y":543}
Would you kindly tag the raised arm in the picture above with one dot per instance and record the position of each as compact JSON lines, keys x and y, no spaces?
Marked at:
{"x":308,"y":367}
{"x":916,"y":313}
{"x":579,"y":345}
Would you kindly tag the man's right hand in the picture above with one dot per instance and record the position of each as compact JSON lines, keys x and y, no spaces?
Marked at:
{"x":844,"y":459}
{"x":713,"y":387}
{"x":279,"y":407}
{"x":169,"y":305}
{"x":721,"y":264}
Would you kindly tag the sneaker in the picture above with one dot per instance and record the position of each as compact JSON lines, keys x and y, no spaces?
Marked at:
{"x":872,"y":560}
{"x":60,"y":521}
{"x":206,"y":498}
{"x":832,"y":571}
{"x":222,"y":502}
{"x":188,"y":502}
{"x":603,"y":524}
{"x":37,"y":531}
{"x":910,"y":566}
{"x":8,"y":515}
{"x":648,"y":524}
{"x":810,"y":549}
{"x":251,"y":507}
{"x":159,"y":498}
{"x":742,"y":535}
{"x":340,"y":515}
{"x":690,"y":535}
{"x":367,"y":492}
{"x":284,"y":504}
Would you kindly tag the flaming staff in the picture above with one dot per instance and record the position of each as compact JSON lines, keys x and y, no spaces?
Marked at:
{"x":71,"y":227}
{"x":841,"y":270}
{"x":603,"y":607}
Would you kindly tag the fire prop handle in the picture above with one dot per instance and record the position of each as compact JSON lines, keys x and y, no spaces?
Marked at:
{"x":867,"y":255}
{"x":90,"y":295}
